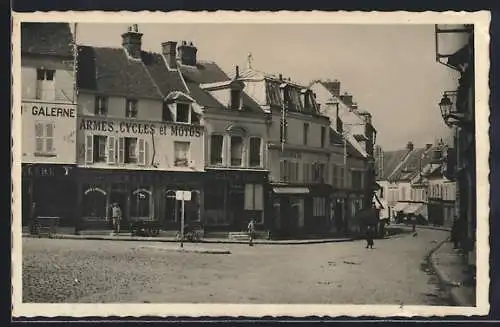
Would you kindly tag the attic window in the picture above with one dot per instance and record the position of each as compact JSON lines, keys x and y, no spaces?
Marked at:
{"x":183,"y":113}
{"x":235,"y":99}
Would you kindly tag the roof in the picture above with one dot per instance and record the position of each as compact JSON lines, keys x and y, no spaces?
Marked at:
{"x":111,"y":71}
{"x":413,"y":163}
{"x":166,"y":80}
{"x":211,"y":73}
{"x":46,"y":39}
{"x":391,"y":159}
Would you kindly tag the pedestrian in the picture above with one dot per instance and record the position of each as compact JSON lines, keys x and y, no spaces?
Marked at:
{"x":369,"y":237}
{"x":413,"y":223}
{"x":454,"y":232}
{"x":251,"y":231}
{"x":116,"y":215}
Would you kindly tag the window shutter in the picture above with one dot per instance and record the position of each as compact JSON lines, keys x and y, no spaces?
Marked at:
{"x":38,"y":137}
{"x":141,"y":151}
{"x":111,"y":150}
{"x":121,"y":150}
{"x":89,"y":148}
{"x":49,"y":137}
{"x":146,"y":152}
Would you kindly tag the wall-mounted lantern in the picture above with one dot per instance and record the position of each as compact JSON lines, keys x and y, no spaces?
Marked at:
{"x":450,"y":113}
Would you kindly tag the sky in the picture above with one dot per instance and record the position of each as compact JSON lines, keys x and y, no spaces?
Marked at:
{"x":389,"y":69}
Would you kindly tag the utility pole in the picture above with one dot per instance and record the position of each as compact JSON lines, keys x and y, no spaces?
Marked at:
{"x":75,"y":63}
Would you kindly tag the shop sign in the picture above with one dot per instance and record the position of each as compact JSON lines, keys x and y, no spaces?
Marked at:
{"x":57,"y":110}
{"x":140,"y":128}
{"x":47,"y":171}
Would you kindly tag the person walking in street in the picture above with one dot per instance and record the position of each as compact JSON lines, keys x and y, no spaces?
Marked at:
{"x":116,"y":214}
{"x":251,"y":231}
{"x":369,"y":237}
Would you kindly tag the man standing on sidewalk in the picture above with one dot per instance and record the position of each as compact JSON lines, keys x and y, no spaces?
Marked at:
{"x":116,"y":214}
{"x":251,"y":231}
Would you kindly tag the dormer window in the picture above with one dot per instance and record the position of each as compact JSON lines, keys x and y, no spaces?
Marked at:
{"x":101,"y":106}
{"x":131,"y":108}
{"x":306,"y":100}
{"x":235,"y":99}
{"x":183,"y":113}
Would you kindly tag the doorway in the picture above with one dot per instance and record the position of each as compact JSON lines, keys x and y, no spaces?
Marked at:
{"x":237,"y":205}
{"x":121,"y":199}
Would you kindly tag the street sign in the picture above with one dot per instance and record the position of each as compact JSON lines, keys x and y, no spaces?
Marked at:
{"x":183,"y":195}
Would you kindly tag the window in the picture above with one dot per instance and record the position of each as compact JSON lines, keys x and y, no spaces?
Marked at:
{"x":216,"y":144}
{"x":255,"y":152}
{"x":254,"y":197}
{"x":44,"y":139}
{"x":289,"y":171}
{"x":318,"y":172}
{"x":236,"y":150}
{"x":306,"y":173}
{"x":319,"y":206}
{"x":183,"y":113}
{"x":305,"y":133}
{"x":45,"y":88}
{"x":94,"y":202}
{"x":131,"y":108}
{"x":235,"y":99}
{"x":166,"y":114}
{"x":131,"y":150}
{"x":181,"y":150}
{"x":140,"y":203}
{"x":101,"y":106}
{"x":357,"y":180}
{"x":323,"y":136}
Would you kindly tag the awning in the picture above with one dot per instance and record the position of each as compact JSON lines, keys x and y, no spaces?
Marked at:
{"x":400,"y":206}
{"x":291,"y":190}
{"x":417,"y":209}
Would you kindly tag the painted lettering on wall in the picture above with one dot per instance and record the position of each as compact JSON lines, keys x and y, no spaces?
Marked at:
{"x":39,"y":110}
{"x":139,"y":128}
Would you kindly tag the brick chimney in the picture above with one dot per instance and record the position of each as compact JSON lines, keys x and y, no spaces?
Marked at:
{"x":187,"y":53}
{"x":170,"y":53}
{"x":410,"y":146}
{"x":132,"y":41}
{"x":334,"y":87}
{"x":347,"y":99}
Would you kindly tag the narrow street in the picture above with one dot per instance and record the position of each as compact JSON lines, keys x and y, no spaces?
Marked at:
{"x":336,"y":273}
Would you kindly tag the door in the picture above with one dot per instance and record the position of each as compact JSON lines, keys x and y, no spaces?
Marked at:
{"x":237,"y":205}
{"x":170,"y":210}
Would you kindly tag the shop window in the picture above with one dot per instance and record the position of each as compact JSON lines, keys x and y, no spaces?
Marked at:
{"x":140,"y":203}
{"x":214,"y":197}
{"x":181,"y":152}
{"x":305,"y":133}
{"x":319,"y":206}
{"x":236,"y":99}
{"x":254,"y":197}
{"x":101,"y":106}
{"x":94,"y":203}
{"x":216,"y":145}
{"x":236,"y":150}
{"x":45,"y":88}
{"x":44,"y":139}
{"x":131,"y":108}
{"x":255,"y":152}
{"x":183,"y":113}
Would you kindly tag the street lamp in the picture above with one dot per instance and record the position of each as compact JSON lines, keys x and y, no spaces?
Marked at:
{"x":449,"y":111}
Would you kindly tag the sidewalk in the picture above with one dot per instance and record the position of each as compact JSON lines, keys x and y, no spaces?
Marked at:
{"x":451,"y":269}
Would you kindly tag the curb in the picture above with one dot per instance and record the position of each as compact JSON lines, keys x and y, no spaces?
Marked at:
{"x":447,"y":284}
{"x":201,"y":251}
{"x":207,"y":241}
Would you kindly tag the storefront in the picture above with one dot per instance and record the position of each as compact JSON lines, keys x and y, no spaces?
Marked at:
{"x":52,"y":187}
{"x":355,"y":203}
{"x":140,"y":194}
{"x":233,"y":197}
{"x":338,"y":211}
{"x":441,"y":212}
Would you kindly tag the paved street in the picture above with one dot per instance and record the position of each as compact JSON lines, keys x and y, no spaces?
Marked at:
{"x":340,"y":273}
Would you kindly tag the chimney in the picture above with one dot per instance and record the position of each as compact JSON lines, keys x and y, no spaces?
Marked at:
{"x":347,"y":99}
{"x":428,"y":146}
{"x":187,"y":53}
{"x":281,"y":77}
{"x":410,"y":146}
{"x":237,"y":72}
{"x":170,"y":53}
{"x":334,"y":87}
{"x":132,"y":40}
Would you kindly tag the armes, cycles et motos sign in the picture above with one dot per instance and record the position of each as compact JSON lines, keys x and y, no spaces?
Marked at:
{"x":140,"y":128}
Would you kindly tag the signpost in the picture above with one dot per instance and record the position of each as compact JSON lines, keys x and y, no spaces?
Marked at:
{"x":182,"y":196}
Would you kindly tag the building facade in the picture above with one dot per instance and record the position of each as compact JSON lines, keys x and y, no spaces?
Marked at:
{"x":139,"y":137}
{"x":49,"y":119}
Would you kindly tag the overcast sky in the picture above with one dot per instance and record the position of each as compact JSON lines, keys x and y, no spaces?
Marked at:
{"x":390,"y":69}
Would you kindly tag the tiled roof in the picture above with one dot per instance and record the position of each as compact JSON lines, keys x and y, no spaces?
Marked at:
{"x":167,"y":80}
{"x":110,"y":71}
{"x":204,"y":72}
{"x":391,"y":159}
{"x":46,"y":39}
{"x":411,"y":166}
{"x":209,"y":72}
